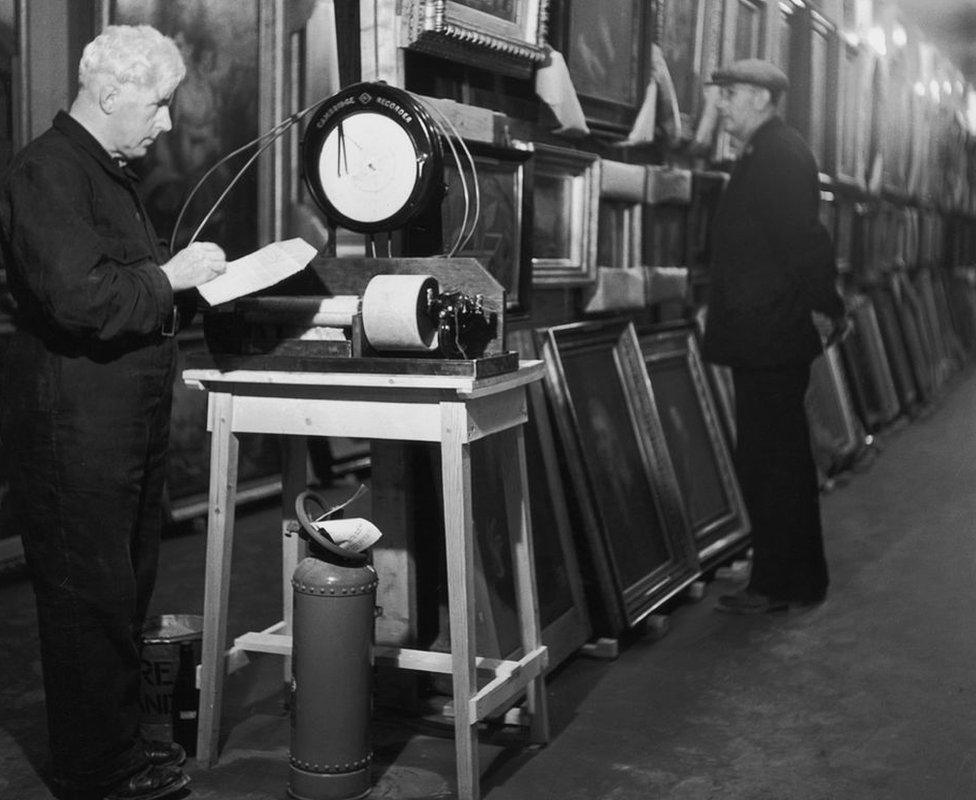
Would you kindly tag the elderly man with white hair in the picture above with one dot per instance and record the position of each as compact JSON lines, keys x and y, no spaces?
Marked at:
{"x":87,"y":391}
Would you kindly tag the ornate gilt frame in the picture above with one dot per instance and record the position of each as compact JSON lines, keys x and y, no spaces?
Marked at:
{"x":456,"y":30}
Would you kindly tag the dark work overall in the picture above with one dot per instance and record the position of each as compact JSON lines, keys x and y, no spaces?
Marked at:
{"x":772,"y":265}
{"x":87,"y":389}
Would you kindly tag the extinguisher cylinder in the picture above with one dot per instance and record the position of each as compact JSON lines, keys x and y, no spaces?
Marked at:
{"x":332,"y":680}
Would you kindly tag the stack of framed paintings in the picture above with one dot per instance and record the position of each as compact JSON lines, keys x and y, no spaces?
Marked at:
{"x":940,"y":280}
{"x":836,"y":434}
{"x":963,"y":305}
{"x":867,"y":364}
{"x":894,"y":343}
{"x":639,"y":550}
{"x":918,"y":354}
{"x":922,"y":281}
{"x":696,"y":444}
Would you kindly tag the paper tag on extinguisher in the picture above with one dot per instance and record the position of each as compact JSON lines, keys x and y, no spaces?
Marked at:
{"x":356,"y":534}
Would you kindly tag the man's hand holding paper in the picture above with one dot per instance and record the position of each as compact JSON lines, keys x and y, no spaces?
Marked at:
{"x":259,"y":270}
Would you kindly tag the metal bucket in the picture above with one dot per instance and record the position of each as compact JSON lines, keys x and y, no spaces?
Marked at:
{"x":171,"y":646}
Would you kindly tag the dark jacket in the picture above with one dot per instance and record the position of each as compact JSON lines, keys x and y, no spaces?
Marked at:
{"x":86,"y":398}
{"x":82,"y":262}
{"x":81,"y":255}
{"x":772,"y":260}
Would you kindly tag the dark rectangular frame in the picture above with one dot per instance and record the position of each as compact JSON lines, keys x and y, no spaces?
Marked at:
{"x":848,"y":130}
{"x":814,"y":77}
{"x":731,"y":44}
{"x":719,"y":535}
{"x":578,"y":174}
{"x":623,"y":605}
{"x":509,"y":224}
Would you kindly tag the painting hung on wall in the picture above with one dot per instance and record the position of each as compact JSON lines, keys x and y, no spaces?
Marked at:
{"x":498,"y":217}
{"x":640,"y":549}
{"x":745,"y":29}
{"x":507,"y":36}
{"x":679,"y":26}
{"x":847,"y":167}
{"x":214,"y":112}
{"x":606,"y":50}
{"x":702,"y":462}
{"x":565,"y":203}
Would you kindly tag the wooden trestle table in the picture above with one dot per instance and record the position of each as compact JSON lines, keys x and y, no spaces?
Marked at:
{"x":452,"y":410}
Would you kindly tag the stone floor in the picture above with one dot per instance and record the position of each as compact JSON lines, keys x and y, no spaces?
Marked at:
{"x":867,"y":697}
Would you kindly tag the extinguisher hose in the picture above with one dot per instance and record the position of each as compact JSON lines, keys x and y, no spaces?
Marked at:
{"x":322,"y":539}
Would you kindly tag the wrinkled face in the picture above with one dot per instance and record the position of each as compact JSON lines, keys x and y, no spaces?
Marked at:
{"x":741,"y":106}
{"x":138,"y":117}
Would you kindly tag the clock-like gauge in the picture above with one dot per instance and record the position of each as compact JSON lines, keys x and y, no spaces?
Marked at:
{"x":372,"y":158}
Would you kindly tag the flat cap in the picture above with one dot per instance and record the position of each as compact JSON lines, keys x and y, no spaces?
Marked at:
{"x":754,"y":71}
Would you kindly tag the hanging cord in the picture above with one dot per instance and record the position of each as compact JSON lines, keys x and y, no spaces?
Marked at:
{"x":266,"y":139}
{"x":464,"y":233}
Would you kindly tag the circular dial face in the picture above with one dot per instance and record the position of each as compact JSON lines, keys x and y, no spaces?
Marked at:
{"x":368,"y":167}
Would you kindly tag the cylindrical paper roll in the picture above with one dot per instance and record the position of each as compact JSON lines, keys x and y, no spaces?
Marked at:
{"x":394,"y":313}
{"x":336,"y":311}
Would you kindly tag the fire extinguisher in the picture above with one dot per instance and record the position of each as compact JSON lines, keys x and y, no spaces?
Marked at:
{"x":334,"y":593}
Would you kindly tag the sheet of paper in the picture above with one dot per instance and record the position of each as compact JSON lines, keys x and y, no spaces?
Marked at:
{"x":356,"y":534}
{"x":259,"y":270}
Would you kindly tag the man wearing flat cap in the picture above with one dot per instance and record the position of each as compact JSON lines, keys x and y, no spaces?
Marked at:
{"x":772,"y":304}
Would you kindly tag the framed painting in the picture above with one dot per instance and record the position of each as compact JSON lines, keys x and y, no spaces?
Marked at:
{"x":744,"y":29}
{"x":619,"y":219}
{"x":606,"y":49}
{"x":214,"y":112}
{"x":843,"y":232}
{"x":562,"y":605}
{"x":565,"y":215}
{"x":640,"y":549}
{"x":664,"y":231}
{"x":689,"y":34}
{"x":813,"y":73}
{"x":507,"y":36}
{"x":498,"y":217}
{"x":706,"y":192}
{"x":702,"y":462}
{"x":823,"y":91}
{"x":894,"y":343}
{"x":848,"y":164}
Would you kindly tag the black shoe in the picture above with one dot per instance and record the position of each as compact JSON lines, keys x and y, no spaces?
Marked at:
{"x":748,"y":601}
{"x":151,"y":783}
{"x":165,"y":754}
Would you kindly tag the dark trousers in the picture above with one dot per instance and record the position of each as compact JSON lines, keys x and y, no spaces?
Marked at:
{"x":778,"y":477}
{"x":86,"y":470}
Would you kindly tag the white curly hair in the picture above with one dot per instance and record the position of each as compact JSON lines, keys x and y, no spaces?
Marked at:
{"x":137,"y":54}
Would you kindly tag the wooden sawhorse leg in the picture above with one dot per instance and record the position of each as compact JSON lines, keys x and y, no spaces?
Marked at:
{"x":459,"y":535}
{"x":220,"y":541}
